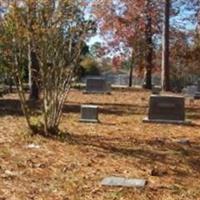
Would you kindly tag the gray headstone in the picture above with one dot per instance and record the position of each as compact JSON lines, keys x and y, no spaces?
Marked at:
{"x":123,"y":182}
{"x":166,"y":109}
{"x":89,"y":113}
{"x":97,"y":85}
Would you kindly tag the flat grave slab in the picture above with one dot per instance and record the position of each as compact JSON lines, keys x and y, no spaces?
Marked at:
{"x":89,"y":113}
{"x":166,"y":109}
{"x":123,"y":182}
{"x":97,"y":85}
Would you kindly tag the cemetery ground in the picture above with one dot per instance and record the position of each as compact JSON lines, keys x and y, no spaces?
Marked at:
{"x":72,"y":166}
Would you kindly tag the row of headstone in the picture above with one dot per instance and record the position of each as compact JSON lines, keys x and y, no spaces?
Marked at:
{"x":94,"y":85}
{"x":162,"y":109}
{"x":122,"y":79}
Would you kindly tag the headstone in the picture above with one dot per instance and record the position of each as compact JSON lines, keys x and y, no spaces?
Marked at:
{"x":97,"y":85}
{"x":166,"y":109}
{"x":89,"y":113}
{"x":197,"y":94}
{"x":123,"y":182}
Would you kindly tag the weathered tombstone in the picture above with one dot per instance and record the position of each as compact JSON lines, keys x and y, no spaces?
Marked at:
{"x":123,"y":182}
{"x":166,"y":109}
{"x":197,"y":94}
{"x":97,"y":85}
{"x":89,"y":113}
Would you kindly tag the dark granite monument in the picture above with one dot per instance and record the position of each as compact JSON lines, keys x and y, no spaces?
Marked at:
{"x":166,"y":109}
{"x":89,"y":113}
{"x":97,"y":85}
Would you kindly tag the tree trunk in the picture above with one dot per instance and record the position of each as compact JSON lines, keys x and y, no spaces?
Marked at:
{"x":130,"y":83}
{"x":33,"y":76}
{"x":149,"y":46}
{"x":33,"y":65}
{"x":149,"y":57}
{"x":165,"y":74}
{"x":29,"y":67}
{"x":10,"y":85}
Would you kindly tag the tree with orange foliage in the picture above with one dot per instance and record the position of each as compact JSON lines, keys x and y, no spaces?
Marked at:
{"x":132,"y":23}
{"x":137,"y":25}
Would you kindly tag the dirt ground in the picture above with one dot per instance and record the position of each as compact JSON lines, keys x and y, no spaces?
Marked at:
{"x":71,"y":168}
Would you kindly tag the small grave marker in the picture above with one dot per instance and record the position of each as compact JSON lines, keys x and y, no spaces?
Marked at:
{"x":166,"y":109}
{"x":89,"y":113}
{"x":97,"y":85}
{"x":123,"y":182}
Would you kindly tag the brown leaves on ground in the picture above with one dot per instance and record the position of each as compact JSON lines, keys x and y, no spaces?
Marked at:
{"x":71,"y":168}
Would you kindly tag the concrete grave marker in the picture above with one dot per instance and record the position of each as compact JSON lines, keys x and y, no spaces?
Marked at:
{"x":123,"y":182}
{"x":97,"y":85}
{"x":89,"y":113}
{"x":166,"y":109}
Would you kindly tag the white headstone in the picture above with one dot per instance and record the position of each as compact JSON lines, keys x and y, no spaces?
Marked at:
{"x":123,"y":182}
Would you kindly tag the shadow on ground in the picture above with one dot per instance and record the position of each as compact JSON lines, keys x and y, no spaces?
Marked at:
{"x":163,"y":150}
{"x":115,"y":109}
{"x":13,"y":107}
